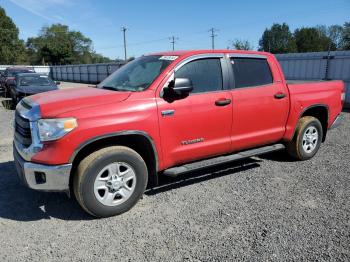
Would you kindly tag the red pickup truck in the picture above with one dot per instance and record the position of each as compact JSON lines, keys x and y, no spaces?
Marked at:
{"x":167,"y":114}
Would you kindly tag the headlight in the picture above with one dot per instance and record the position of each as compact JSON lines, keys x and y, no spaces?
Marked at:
{"x":53,"y":129}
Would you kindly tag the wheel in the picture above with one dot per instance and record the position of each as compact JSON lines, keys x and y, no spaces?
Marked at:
{"x":110,"y":181}
{"x":307,"y":138}
{"x":14,"y":101}
{"x":6,"y":92}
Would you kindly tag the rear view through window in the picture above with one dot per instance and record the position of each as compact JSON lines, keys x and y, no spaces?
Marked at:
{"x":205,"y":74}
{"x":35,"y":80}
{"x":251,"y":72}
{"x":138,"y":74}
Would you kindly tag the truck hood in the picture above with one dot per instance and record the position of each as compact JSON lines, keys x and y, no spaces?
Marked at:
{"x":57,"y":102}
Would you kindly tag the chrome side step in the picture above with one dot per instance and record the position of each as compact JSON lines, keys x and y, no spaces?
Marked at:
{"x":195,"y":166}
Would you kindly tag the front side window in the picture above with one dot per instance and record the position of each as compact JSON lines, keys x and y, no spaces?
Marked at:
{"x":251,"y":72}
{"x":136,"y":75}
{"x":205,"y":74}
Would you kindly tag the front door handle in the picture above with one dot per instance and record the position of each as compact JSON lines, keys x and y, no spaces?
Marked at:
{"x":222,"y":102}
{"x":280,"y":95}
{"x":168,"y":112}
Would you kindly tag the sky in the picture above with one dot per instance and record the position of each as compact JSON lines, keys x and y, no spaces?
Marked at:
{"x":151,"y":23}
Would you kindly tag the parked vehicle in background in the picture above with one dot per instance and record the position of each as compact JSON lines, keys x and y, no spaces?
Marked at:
{"x":2,"y":72}
{"x":9,"y":75}
{"x":26,"y":84}
{"x":167,"y":113}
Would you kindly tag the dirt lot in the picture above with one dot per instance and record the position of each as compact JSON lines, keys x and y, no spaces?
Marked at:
{"x":267,"y":208}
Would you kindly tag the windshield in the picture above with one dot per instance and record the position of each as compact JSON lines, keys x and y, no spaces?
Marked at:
{"x":35,"y":81}
{"x":137,"y":75}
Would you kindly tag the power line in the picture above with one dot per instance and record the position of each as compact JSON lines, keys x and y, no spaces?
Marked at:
{"x":149,"y":41}
{"x":173,"y":40}
{"x":124,"y":37}
{"x":136,"y":43}
{"x":213,"y":35}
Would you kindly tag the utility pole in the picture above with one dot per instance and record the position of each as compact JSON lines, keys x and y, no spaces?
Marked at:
{"x":173,"y":41}
{"x":124,"y":35}
{"x":213,"y":35}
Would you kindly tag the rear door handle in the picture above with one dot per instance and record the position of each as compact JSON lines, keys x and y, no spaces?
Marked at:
{"x":222,"y":102}
{"x":280,"y":95}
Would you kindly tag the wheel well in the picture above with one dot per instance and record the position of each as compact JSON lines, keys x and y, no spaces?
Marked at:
{"x":140,"y":143}
{"x":321,"y":113}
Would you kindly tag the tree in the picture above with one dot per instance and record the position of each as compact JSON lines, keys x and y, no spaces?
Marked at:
{"x":346,"y":36}
{"x":277,"y":39}
{"x":11,"y":47}
{"x":335,"y":34}
{"x":56,"y":44}
{"x":242,"y":45}
{"x":310,"y":39}
{"x":97,"y":58}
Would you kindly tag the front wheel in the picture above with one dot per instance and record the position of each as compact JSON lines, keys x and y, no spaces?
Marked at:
{"x":110,"y":181}
{"x":14,"y":101}
{"x":307,"y":138}
{"x":6,"y":92}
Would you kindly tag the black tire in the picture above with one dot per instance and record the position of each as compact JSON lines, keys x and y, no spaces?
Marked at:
{"x":295,"y":147}
{"x":6,"y":92}
{"x":14,"y":101}
{"x":89,"y":168}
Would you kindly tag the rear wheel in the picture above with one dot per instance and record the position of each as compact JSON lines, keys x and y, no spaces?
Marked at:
{"x":110,"y":181}
{"x":307,"y":138}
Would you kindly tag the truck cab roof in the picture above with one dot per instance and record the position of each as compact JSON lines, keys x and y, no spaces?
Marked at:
{"x":198,"y":52}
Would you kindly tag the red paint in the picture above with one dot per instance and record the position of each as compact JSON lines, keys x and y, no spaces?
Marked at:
{"x":253,"y":118}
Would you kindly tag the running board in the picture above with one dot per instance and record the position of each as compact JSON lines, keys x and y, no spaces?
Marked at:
{"x":195,"y":166}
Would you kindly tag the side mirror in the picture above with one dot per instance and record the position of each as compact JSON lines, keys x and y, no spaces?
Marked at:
{"x":179,"y":88}
{"x":182,"y":86}
{"x":57,"y":82}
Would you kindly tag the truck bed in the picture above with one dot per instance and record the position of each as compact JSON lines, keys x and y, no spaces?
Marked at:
{"x":312,"y":87}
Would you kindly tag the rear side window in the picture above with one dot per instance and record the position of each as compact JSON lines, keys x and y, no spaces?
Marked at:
{"x":251,"y":72}
{"x":205,"y":74}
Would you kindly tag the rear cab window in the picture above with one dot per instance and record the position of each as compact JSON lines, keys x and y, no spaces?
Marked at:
{"x":251,"y":72}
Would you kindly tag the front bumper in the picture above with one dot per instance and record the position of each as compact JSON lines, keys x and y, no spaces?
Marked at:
{"x":337,"y":122}
{"x":42,"y":177}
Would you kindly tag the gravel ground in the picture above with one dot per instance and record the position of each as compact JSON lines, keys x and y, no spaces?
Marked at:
{"x":267,"y":208}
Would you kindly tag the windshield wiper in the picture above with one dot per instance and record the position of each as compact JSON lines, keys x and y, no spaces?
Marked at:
{"x":110,"y":88}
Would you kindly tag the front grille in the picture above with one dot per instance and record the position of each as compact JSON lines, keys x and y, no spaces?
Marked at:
{"x":22,"y":130}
